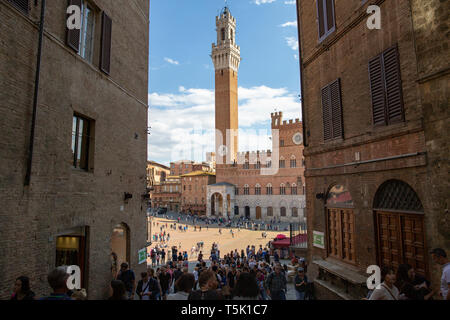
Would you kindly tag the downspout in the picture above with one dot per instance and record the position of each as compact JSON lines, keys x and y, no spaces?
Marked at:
{"x":36,"y":94}
{"x":300,"y":57}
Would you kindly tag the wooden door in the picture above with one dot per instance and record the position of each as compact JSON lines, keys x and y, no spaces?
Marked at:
{"x":258,"y":213}
{"x":341,"y":234}
{"x":401,"y":239}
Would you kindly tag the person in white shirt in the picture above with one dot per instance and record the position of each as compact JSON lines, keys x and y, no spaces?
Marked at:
{"x":386,"y":290}
{"x":184,"y":285}
{"x":440,"y":257}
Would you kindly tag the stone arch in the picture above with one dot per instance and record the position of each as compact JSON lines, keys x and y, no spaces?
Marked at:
{"x":399,"y":215}
{"x":120,"y":243}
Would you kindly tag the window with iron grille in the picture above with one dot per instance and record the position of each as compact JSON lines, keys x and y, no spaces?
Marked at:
{"x":282,"y":189}
{"x":269,"y":211}
{"x":269,"y":190}
{"x":283,"y":211}
{"x":236,"y":191}
{"x":258,"y":190}
{"x":269,"y":164}
{"x":81,"y":139}
{"x":246,"y":190}
{"x":282,"y":164}
{"x":246,"y":165}
{"x":294,"y":212}
{"x":258,"y":165}
{"x":281,"y":143}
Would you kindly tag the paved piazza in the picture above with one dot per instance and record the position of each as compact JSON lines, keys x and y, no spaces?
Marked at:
{"x":225,"y":240}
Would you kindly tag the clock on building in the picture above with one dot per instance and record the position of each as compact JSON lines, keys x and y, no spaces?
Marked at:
{"x":297,"y":138}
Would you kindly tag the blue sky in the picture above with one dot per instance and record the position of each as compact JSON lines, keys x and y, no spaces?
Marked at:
{"x":181,"y":86}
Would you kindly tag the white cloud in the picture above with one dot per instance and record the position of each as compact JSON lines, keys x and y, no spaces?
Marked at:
{"x":289,"y":24}
{"x":171,"y":61}
{"x":183,"y":123}
{"x":258,"y":2}
{"x":290,"y":2}
{"x":292,"y":42}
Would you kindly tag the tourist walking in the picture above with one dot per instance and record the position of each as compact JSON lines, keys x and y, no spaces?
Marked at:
{"x":276,"y":284}
{"x":127,"y":276}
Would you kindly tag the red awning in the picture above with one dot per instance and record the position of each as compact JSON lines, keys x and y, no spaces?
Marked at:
{"x":287,"y":242}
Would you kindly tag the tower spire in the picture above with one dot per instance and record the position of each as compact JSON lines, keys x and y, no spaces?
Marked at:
{"x":226,"y":58}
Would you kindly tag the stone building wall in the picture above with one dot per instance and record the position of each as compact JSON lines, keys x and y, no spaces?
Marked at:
{"x":411,"y":151}
{"x":60,"y":198}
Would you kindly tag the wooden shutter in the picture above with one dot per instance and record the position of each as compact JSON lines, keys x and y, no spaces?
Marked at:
{"x":23,"y":5}
{"x":332,"y":111}
{"x":73,"y":36}
{"x":386,"y":88}
{"x":327,"y":114}
{"x":336,"y":108}
{"x":394,"y":97}
{"x":105,"y":56}
{"x":376,"y":77}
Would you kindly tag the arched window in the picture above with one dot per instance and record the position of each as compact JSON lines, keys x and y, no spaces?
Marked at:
{"x":257,"y":189}
{"x":399,"y":217}
{"x":294,"y":212}
{"x":270,"y":212}
{"x":269,"y":189}
{"x":293,"y":188}
{"x":246,"y":165}
{"x":282,"y":163}
{"x":282,"y":189}
{"x":283,"y":211}
{"x":246,"y":189}
{"x":222,"y":31}
{"x":293,"y":162}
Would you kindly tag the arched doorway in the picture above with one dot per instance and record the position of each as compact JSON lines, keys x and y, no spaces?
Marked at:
{"x":217,"y":204}
{"x":258,"y":213}
{"x":247,"y":212}
{"x":236,"y":210}
{"x":340,"y":224}
{"x":399,"y":217}
{"x":120,"y":246}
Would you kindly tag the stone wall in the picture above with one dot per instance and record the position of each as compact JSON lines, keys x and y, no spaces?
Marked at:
{"x":60,"y":197}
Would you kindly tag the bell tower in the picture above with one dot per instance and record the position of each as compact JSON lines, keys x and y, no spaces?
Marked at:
{"x":226,"y":57}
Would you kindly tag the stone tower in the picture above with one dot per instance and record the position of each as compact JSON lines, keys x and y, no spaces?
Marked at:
{"x":226,"y":58}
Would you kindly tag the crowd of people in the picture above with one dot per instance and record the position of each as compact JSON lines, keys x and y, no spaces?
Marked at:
{"x":237,"y":275}
{"x":405,"y":284}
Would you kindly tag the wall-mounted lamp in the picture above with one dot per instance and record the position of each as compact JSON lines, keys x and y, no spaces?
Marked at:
{"x":128,"y":196}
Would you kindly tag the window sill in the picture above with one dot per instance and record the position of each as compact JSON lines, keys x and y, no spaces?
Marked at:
{"x":82,"y":171}
{"x":344,"y":271}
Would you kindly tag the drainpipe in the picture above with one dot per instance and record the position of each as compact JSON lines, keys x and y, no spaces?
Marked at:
{"x":300,"y":58}
{"x":36,"y":94}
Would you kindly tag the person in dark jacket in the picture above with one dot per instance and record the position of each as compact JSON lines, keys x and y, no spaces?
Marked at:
{"x":22,"y":289}
{"x":208,"y":287}
{"x":119,"y":290}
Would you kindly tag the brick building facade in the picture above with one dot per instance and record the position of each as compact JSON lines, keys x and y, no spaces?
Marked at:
{"x":193,"y":191}
{"x":257,"y":185}
{"x":89,"y":145}
{"x":156,"y":173}
{"x":167,"y":194}
{"x":376,"y":116}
